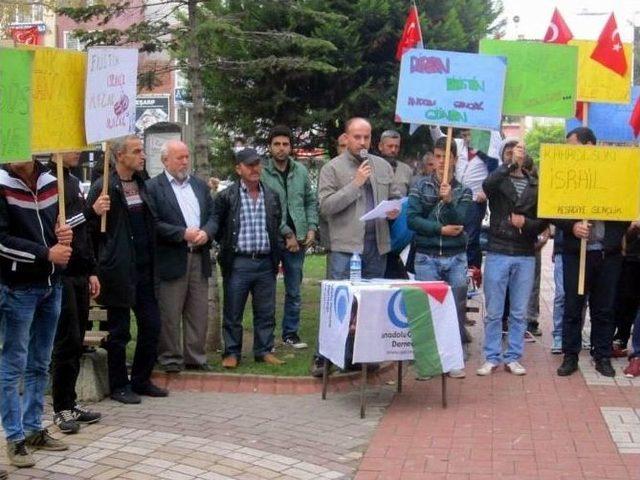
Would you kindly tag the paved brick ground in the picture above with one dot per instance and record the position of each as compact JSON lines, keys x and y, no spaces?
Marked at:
{"x":504,"y":427}
{"x":216,"y":436}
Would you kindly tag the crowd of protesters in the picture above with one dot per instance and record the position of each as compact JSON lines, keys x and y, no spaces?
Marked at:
{"x":154,"y":259}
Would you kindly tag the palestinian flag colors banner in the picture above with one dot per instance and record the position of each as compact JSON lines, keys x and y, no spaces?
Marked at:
{"x":415,"y":321}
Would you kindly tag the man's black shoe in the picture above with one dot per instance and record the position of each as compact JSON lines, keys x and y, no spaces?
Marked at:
{"x":569,"y":365}
{"x":86,"y":416}
{"x":205,"y":367}
{"x":151,"y":390}
{"x":604,"y":367}
{"x":125,"y":395}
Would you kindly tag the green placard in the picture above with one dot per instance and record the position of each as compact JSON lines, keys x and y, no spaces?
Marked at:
{"x":15,"y":105}
{"x":480,"y":140}
{"x":541,"y":77}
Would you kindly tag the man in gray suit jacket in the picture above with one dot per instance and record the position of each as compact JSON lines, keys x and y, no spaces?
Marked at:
{"x":182,"y":210}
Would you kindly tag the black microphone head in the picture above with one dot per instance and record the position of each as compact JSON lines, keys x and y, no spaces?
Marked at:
{"x":364,"y":154}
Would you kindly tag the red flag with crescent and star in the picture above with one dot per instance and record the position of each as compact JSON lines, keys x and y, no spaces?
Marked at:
{"x":26,"y":35}
{"x":411,"y":35}
{"x":609,"y":50}
{"x":558,"y":30}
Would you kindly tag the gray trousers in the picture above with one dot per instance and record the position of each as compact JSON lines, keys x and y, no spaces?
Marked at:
{"x":183,"y":306}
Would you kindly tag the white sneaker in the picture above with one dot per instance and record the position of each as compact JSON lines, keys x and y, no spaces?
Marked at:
{"x":487,"y":368}
{"x":457,"y":373}
{"x":515,"y":368}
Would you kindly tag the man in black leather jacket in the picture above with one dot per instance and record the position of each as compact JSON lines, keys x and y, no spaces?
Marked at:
{"x":510,"y":263}
{"x":247,"y":218}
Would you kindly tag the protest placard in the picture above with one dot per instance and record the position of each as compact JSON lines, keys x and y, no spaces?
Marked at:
{"x":589,"y":182}
{"x":15,"y":105}
{"x":58,"y":100}
{"x":450,"y":89}
{"x":541,"y":77}
{"x":609,"y":121}
{"x":110,"y":101}
{"x":597,"y":83}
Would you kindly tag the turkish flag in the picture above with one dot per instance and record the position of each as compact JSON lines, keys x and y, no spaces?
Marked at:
{"x":609,"y":51}
{"x":580,"y":111}
{"x":558,"y":30}
{"x":26,"y":35}
{"x":634,"y":120}
{"x":411,"y":35}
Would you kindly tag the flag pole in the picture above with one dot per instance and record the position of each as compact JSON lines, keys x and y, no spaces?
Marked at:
{"x":447,"y":154}
{"x":583,"y":242}
{"x":62,"y":217}
{"x":105,"y":184}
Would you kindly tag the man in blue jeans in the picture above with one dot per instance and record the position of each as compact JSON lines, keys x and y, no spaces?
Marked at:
{"x":31,"y":297}
{"x":290,"y":180}
{"x":437,"y":211}
{"x":248,"y":227}
{"x":510,"y":263}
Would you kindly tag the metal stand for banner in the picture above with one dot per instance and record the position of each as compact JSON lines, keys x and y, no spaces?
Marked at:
{"x":363,"y":385}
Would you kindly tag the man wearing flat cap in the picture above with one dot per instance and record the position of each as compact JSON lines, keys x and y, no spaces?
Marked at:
{"x":248,"y":229}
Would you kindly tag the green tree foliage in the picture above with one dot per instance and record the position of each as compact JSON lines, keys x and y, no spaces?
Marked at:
{"x":358,"y":77}
{"x":540,"y":134}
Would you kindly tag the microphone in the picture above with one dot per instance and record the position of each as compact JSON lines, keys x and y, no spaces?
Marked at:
{"x":364,"y":154}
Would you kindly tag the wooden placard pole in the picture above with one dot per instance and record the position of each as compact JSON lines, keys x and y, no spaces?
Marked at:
{"x":62,"y":214}
{"x":447,"y":155}
{"x":583,"y":242}
{"x":105,"y":184}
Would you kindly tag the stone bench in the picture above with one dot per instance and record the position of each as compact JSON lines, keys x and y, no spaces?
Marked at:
{"x":93,"y":379}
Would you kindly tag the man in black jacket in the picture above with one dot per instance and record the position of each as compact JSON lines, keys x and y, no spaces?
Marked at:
{"x":248,"y":228}
{"x":79,"y":282}
{"x":33,"y":251}
{"x":513,"y":231}
{"x":602,"y":270}
{"x":125,"y":270}
{"x":182,"y":209}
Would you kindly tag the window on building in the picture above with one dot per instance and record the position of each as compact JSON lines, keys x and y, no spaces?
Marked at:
{"x":71,"y":42}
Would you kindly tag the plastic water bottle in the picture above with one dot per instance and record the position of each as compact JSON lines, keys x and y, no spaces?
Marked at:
{"x":355,"y":268}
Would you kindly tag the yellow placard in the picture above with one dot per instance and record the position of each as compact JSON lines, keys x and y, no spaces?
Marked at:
{"x":588,"y":182}
{"x":597,"y":83}
{"x":58,"y":100}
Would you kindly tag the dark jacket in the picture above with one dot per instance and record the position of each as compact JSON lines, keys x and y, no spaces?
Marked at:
{"x":504,"y":238}
{"x":27,"y":229}
{"x":427,"y":214}
{"x":612,"y":241}
{"x":226,"y":207}
{"x":78,"y":213}
{"x":171,"y":247}
{"x":117,"y":268}
{"x":632,"y":250}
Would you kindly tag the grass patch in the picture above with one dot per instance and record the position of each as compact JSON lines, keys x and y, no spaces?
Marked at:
{"x":298,"y":361}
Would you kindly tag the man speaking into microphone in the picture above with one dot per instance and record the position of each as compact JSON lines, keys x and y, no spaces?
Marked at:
{"x":350,"y":185}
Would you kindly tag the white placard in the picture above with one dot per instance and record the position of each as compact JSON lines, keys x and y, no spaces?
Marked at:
{"x":335,"y":314}
{"x":110,"y":98}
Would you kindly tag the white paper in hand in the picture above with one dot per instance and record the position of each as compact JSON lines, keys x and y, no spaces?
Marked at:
{"x":383,"y":208}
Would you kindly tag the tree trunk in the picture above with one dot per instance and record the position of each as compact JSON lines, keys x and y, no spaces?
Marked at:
{"x":200,"y":148}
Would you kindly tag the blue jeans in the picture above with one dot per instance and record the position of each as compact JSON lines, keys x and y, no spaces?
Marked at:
{"x":255,"y":276}
{"x":473,"y":226}
{"x":292,"y":264}
{"x":28,"y":327}
{"x":453,"y":270}
{"x":558,"y":298}
{"x":516,"y":273}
